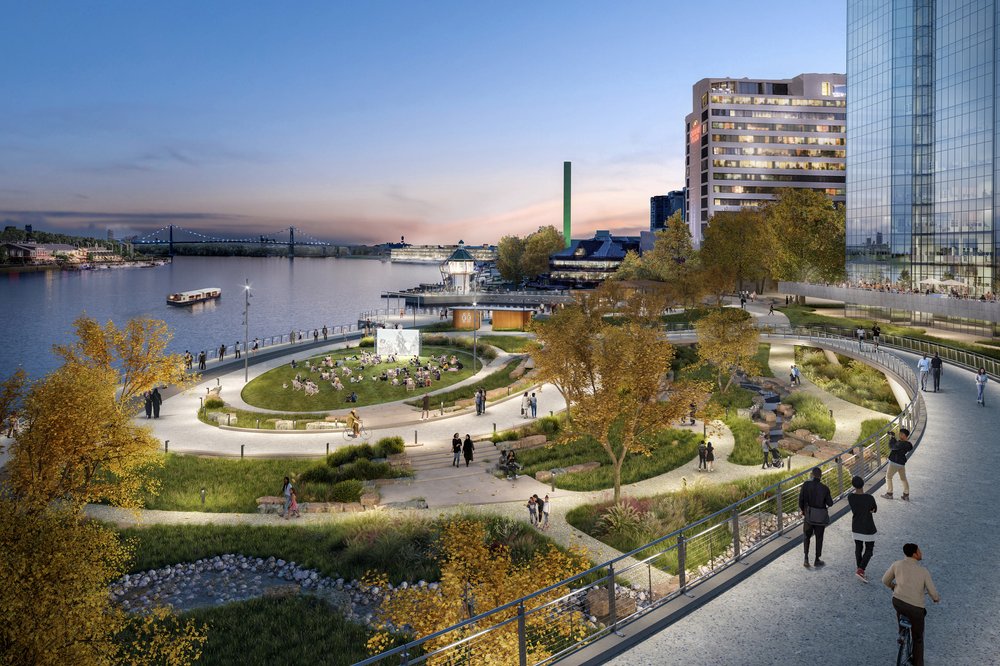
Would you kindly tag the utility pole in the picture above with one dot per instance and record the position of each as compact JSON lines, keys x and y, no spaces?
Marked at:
{"x":246,"y":332}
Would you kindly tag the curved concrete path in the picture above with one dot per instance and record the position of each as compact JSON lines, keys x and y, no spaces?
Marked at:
{"x":786,"y":614}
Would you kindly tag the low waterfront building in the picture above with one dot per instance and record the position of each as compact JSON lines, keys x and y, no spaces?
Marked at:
{"x":436,"y":254}
{"x":587,"y":263}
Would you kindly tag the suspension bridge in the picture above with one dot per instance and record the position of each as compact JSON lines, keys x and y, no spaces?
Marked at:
{"x":173,"y":234}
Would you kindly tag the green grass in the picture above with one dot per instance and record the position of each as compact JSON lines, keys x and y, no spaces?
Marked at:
{"x":671,"y":449}
{"x":802,"y":315}
{"x":668,"y":512}
{"x":403,"y":548}
{"x":761,"y":357}
{"x":267,"y":392}
{"x":811,"y":414}
{"x":550,"y":426}
{"x":746,"y":450}
{"x":233,"y":486}
{"x":851,"y":380}
{"x":496,"y":379}
{"x":869,"y":427}
{"x":294,"y":630}
{"x":512,"y":344}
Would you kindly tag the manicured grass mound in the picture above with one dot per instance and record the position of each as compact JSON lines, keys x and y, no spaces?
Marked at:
{"x":811,"y":414}
{"x":670,"y":450}
{"x":512,"y":344}
{"x":850,"y":380}
{"x":267,"y":391}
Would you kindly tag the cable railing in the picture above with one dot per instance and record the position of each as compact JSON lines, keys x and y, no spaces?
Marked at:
{"x":295,"y":336}
{"x":551,"y":623}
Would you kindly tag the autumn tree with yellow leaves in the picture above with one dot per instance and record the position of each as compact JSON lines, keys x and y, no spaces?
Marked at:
{"x":79,"y":444}
{"x":610,"y":360}
{"x":478,"y":575}
{"x":728,"y":342}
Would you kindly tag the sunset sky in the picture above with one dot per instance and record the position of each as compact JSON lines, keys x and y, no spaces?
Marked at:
{"x":361,"y":121}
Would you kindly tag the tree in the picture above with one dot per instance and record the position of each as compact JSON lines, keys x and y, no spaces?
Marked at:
{"x":510,"y":252}
{"x":608,"y":358}
{"x":735,"y":249}
{"x":809,"y":236}
{"x":631,"y":268}
{"x":80,"y":442}
{"x":728,"y":341}
{"x":673,"y":260}
{"x":477,"y":576}
{"x":56,"y":567}
{"x":538,"y":247}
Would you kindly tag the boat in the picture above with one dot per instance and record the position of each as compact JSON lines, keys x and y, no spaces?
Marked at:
{"x":197,"y":296}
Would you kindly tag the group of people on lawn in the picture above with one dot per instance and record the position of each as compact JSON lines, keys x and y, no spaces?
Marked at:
{"x":414,"y":374}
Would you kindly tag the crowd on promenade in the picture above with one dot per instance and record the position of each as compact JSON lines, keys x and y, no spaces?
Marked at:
{"x":955,"y":289}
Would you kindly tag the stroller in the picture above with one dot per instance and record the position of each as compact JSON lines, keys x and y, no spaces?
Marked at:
{"x":776,"y":460}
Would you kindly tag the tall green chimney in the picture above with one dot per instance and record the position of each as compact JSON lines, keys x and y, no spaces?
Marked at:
{"x":567,"y":185}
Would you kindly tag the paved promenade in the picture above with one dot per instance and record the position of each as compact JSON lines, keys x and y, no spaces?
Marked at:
{"x":786,"y":614}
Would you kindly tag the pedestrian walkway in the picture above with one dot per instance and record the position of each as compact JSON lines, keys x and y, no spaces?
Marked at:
{"x":785,"y":614}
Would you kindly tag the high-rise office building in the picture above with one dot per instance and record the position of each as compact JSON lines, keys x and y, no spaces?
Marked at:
{"x":747,"y":138}
{"x":662,"y":206}
{"x":923,"y":127}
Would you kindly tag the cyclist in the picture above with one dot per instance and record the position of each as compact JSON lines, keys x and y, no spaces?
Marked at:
{"x":908,"y":582}
{"x":354,"y":422}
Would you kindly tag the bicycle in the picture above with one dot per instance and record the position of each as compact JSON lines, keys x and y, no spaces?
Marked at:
{"x":363,"y":433}
{"x":905,"y":640}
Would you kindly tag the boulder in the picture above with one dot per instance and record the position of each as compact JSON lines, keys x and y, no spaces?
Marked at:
{"x":398,"y":460}
{"x":802,"y":433}
{"x":763,"y":426}
{"x":582,"y":467}
{"x":321,"y":425}
{"x":544,"y":476}
{"x":270,"y":504}
{"x":224,"y":418}
{"x":352,"y":507}
{"x":283,"y":424}
{"x":790,"y":444}
{"x":770,"y":417}
{"x":531,"y":442}
{"x":370,"y":499}
{"x":785,"y":410}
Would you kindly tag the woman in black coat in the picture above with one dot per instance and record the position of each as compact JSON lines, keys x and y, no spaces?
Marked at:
{"x":467,"y":449}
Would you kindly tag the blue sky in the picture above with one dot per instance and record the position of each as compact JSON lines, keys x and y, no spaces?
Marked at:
{"x":364,"y":121}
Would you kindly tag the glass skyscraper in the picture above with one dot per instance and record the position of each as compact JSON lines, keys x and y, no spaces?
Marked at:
{"x":922,"y":129}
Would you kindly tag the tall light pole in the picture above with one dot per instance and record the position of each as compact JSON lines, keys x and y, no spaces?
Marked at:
{"x":475,"y":336}
{"x":246,"y":332}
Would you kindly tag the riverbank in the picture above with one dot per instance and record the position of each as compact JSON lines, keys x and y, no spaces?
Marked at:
{"x":38,"y":268}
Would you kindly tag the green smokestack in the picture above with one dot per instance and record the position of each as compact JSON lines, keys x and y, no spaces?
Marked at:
{"x":567,"y":186}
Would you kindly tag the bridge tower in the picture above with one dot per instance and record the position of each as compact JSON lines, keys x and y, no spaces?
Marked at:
{"x":291,"y":242}
{"x":171,"y":242}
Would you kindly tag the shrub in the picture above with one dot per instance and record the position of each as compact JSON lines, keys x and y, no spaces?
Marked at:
{"x":811,"y":414}
{"x":367,"y":341}
{"x":317,"y":474}
{"x":485,"y":351}
{"x":746,"y":450}
{"x":628,"y":525}
{"x":388,"y":446}
{"x":346,"y":491}
{"x":214,"y":403}
{"x":349,"y":454}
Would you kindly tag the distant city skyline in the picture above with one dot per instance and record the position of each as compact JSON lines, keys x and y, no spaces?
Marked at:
{"x":364,"y":122}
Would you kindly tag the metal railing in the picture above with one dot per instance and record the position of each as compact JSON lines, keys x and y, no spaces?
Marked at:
{"x":339,"y":333}
{"x":553,"y":622}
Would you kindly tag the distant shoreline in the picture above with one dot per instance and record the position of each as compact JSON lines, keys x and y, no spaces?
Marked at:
{"x":38,"y":268}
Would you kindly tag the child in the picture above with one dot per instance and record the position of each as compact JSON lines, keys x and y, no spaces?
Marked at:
{"x":294,"y":508}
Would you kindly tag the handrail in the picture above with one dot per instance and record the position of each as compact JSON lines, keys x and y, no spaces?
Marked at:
{"x":731,"y":530}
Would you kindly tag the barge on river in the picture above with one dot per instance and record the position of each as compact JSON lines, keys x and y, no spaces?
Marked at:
{"x":196,"y":296}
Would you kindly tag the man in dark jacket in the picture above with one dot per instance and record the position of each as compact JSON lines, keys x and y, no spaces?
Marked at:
{"x":814,"y":502}
{"x":898,"y":452}
{"x":936,"y":372}
{"x":156,"y":399}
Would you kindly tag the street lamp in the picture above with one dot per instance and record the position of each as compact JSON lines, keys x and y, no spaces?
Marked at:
{"x":246,"y":331}
{"x":475,"y":336}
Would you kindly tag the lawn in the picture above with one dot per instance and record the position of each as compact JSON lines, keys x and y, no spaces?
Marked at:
{"x":401,"y":547}
{"x":670,"y":450}
{"x":648,"y":518}
{"x":496,"y":379}
{"x":869,"y":427}
{"x":802,"y":315}
{"x":512,"y":344}
{"x":268,"y":390}
{"x":851,"y":380}
{"x":291,"y":630}
{"x":233,"y":485}
{"x":811,"y":414}
{"x":746,"y":450}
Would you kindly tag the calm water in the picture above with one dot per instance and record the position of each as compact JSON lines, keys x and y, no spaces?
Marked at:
{"x":37,"y":309}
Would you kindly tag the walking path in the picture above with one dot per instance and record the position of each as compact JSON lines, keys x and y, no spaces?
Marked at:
{"x":787,"y":614}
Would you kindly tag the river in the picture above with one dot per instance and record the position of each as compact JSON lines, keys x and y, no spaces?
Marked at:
{"x":37,"y":309}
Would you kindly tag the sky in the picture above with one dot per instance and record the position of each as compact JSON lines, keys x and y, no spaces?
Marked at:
{"x":364,"y":121}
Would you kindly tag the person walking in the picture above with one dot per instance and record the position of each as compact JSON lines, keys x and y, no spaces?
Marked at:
{"x":286,"y":492}
{"x":981,"y":380}
{"x":533,"y":403}
{"x":468,"y":448}
{"x":236,"y":350}
{"x":456,"y":450}
{"x":546,"y":509}
{"x":188,"y":360}
{"x":898,"y":452}
{"x":147,"y":400}
{"x":936,"y":371}
{"x":863,"y":508}
{"x":202,"y":359}
{"x":860,"y":333}
{"x":909,"y":581}
{"x":426,"y":405}
{"x":156,"y":399}
{"x":222,"y":352}
{"x":256,"y":346}
{"x":532,"y":511}
{"x":479,"y":403}
{"x":923,"y":368}
{"x":814,"y":502}
{"x":876,"y":335}
{"x":525,"y":405}
{"x":710,"y":457}
{"x":765,"y":449}
{"x":702,"y":451}
{"x":293,"y":507}
{"x":770,"y":310}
